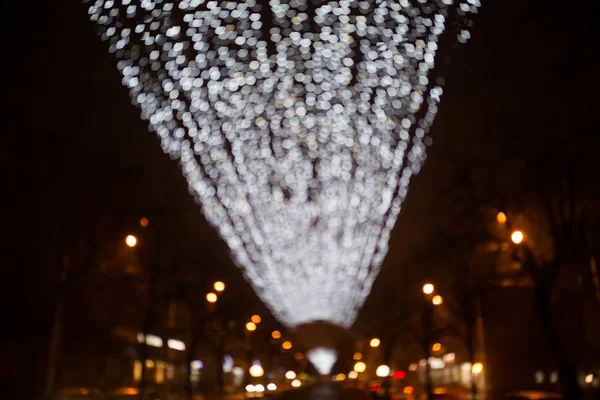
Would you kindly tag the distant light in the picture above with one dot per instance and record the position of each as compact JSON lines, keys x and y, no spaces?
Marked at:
{"x":352,"y":375}
{"x":428,"y":288}
{"x":374,"y":342}
{"x":137,"y":370}
{"x":450,"y":357}
{"x":589,"y":378}
{"x":176,"y":344}
{"x":408,"y":390}
{"x":437,"y":300}
{"x":553,"y":377}
{"x":436,"y":363}
{"x":144,"y":222}
{"x":296,"y":383}
{"x":382,"y":371}
{"x":149,"y":364}
{"x":477,"y":368}
{"x":340,"y":377}
{"x":250,"y":326}
{"x":299,"y":356}
{"x":151,"y":340}
{"x":259,"y":388}
{"x":357,"y":356}
{"x":399,"y":375}
{"x":250,"y":388}
{"x":539,"y":377}
{"x":256,"y":371}
{"x":256,"y":319}
{"x":413,"y":367}
{"x":197,"y":364}
{"x":286,"y":345}
{"x":501,"y":217}
{"x":360,"y":367}
{"x":219,"y":286}
{"x":322,"y":358}
{"x":131,"y":241}
{"x":276,"y":335}
{"x":517,"y":237}
{"x":211,"y":297}
{"x":271,"y":386}
{"x":290,"y":375}
{"x":436,"y":347}
{"x":227,"y":363}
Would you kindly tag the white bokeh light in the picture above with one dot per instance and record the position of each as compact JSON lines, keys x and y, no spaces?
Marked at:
{"x":322,"y":358}
{"x":298,"y":127}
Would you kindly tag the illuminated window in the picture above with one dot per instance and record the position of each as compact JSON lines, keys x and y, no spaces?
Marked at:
{"x":137,"y":370}
{"x":160,"y":372}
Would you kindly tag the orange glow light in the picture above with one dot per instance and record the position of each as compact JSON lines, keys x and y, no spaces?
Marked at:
{"x":144,"y":222}
{"x":501,"y":218}
{"x":276,"y":335}
{"x":256,"y":319}
{"x":286,"y":345}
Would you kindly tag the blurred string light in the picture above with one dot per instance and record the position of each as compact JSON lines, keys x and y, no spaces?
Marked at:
{"x":322,"y":358}
{"x":298,"y":137}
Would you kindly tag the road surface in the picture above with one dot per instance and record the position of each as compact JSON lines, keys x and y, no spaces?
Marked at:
{"x":324,"y":392}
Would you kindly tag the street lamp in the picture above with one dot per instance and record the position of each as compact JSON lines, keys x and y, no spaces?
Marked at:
{"x":477,"y":368}
{"x":436,"y":347}
{"x":382,"y":371}
{"x":144,"y":222}
{"x":517,"y":237}
{"x":219,"y":286}
{"x":276,"y":335}
{"x":437,"y":300}
{"x":250,"y":326}
{"x":357,"y":356}
{"x":360,"y":367}
{"x":286,"y":345}
{"x":256,"y":318}
{"x":290,"y":375}
{"x":211,"y":297}
{"x":428,"y":288}
{"x":501,"y":218}
{"x":375,"y":342}
{"x":256,"y":371}
{"x":131,"y":240}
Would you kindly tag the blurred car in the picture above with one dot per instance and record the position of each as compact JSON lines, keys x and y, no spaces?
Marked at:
{"x":531,"y":395}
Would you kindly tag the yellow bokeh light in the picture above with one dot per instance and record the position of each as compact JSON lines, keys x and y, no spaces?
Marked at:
{"x":276,"y":335}
{"x":436,"y":347}
{"x":357,"y":356}
{"x":144,"y":222}
{"x":219,"y":286}
{"x":428,"y":288}
{"x":340,"y":377}
{"x":477,"y":368}
{"x":352,"y":375}
{"x":130,"y":240}
{"x":375,"y":342}
{"x":256,"y":371}
{"x":360,"y":367}
{"x":501,"y":217}
{"x":211,"y":297}
{"x":437,"y":300}
{"x":517,"y":237}
{"x":250,"y":326}
{"x":256,"y":319}
{"x":286,"y":345}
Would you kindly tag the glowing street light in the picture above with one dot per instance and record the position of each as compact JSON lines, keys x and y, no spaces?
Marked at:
{"x":250,"y":326}
{"x":211,"y":297}
{"x":276,"y":335}
{"x":357,"y":356}
{"x":517,"y":237}
{"x":144,"y":222}
{"x":352,"y":375}
{"x":436,"y":347}
{"x":477,"y":368}
{"x":256,"y":371}
{"x":131,"y":240}
{"x":219,"y":286}
{"x":296,"y":383}
{"x":501,"y":218}
{"x":382,"y":371}
{"x":374,"y":342}
{"x":286,"y":345}
{"x":256,"y":319}
{"x":290,"y":375}
{"x":437,"y":300}
{"x":360,"y":367}
{"x":428,"y":288}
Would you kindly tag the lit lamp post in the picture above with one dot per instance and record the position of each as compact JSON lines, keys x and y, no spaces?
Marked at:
{"x":428,"y":305}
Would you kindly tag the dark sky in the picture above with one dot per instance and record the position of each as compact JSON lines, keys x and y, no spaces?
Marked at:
{"x":68,"y":121}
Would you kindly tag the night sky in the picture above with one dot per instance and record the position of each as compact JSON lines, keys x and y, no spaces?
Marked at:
{"x":69,"y":127}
